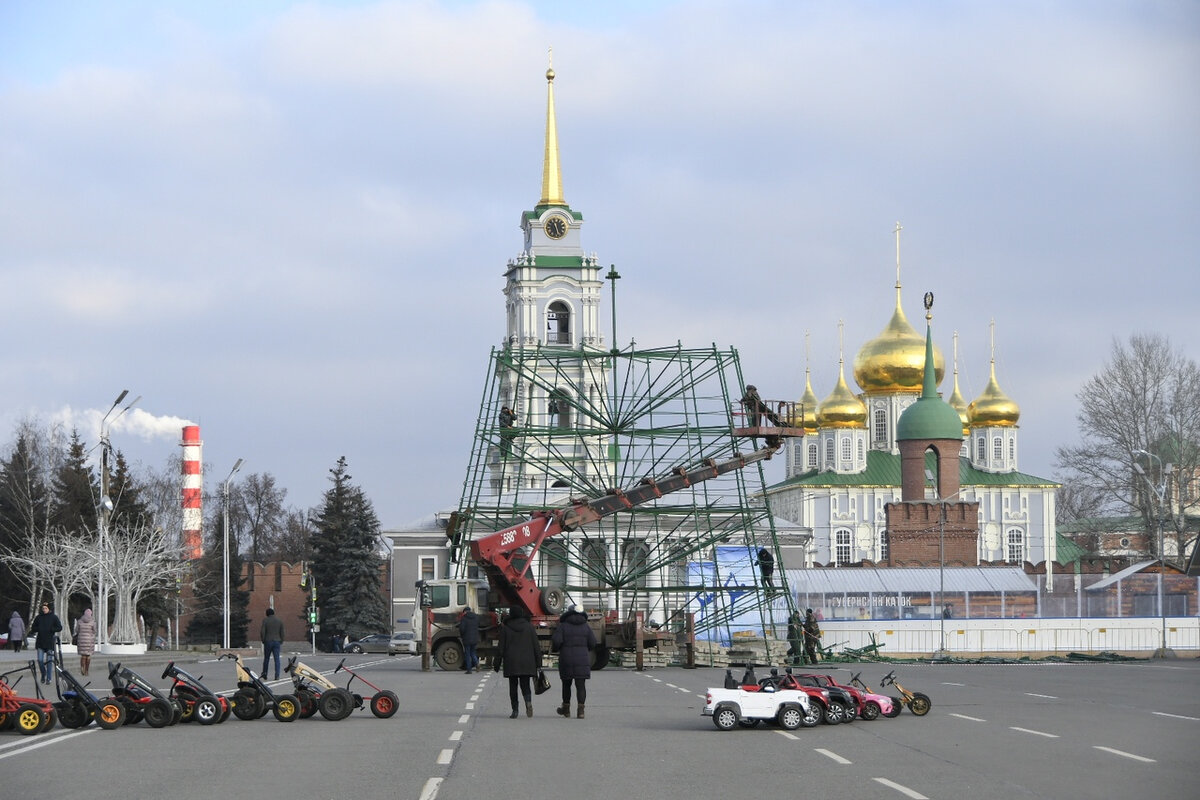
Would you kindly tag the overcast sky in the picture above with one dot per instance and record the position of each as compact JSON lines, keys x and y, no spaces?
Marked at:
{"x":288,"y":222}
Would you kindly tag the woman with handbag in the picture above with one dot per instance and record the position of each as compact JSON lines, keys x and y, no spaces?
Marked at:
{"x":520,"y":655}
{"x":574,"y":642}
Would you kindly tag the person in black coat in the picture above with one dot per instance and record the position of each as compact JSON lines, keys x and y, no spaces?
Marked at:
{"x":45,"y":627}
{"x":468,"y":631}
{"x":520,"y":655}
{"x":574,"y":642}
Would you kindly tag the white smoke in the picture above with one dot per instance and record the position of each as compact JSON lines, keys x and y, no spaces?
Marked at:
{"x":133,"y":422}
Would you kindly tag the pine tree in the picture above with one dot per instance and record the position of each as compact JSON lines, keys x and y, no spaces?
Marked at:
{"x":76,"y":491}
{"x":24,"y":507}
{"x":347,"y":564}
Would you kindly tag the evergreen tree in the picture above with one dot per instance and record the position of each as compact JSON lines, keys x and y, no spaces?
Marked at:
{"x":24,"y":507}
{"x":126,"y":494}
{"x":347,"y":563}
{"x":76,"y":491}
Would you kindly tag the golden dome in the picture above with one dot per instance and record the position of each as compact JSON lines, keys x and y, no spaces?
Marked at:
{"x":993,"y":408}
{"x":959,"y":404}
{"x":894,"y":361}
{"x":842,"y":409}
{"x":804,"y":412}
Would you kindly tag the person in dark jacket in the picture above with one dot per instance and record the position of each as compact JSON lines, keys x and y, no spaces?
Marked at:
{"x":520,"y":655}
{"x":16,"y":631}
{"x":468,"y":631}
{"x":574,"y":642}
{"x":45,"y":627}
{"x":271,"y":634}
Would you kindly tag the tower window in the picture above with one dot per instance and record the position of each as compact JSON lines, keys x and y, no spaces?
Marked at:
{"x":842,"y":548}
{"x":862,"y":453}
{"x":558,"y":323}
{"x":884,"y":545}
{"x":980,"y":449}
{"x":997,"y":449}
{"x":881,"y":432}
{"x":1015,"y":550}
{"x":812,"y":456}
{"x":846,"y":449}
{"x":1012,"y":449}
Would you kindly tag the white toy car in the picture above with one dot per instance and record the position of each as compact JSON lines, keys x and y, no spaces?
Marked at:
{"x":789,"y":708}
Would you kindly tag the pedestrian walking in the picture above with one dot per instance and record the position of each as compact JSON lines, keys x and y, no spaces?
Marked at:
{"x":812,"y":635}
{"x":271,"y":634}
{"x":574,"y":641}
{"x":45,"y":629}
{"x":16,"y":631}
{"x":520,"y":655}
{"x":795,"y":636}
{"x":468,"y":631}
{"x":85,"y":640}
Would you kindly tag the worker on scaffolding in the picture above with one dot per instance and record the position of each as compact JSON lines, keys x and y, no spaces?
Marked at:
{"x":507,"y":420}
{"x":766,"y":566}
{"x":755,"y":408}
{"x":812,"y":635}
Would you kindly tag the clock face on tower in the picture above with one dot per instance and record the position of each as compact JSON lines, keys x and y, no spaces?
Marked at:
{"x":555,"y":227}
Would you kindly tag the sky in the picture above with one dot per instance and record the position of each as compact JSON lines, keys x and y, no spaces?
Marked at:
{"x":288,"y":222}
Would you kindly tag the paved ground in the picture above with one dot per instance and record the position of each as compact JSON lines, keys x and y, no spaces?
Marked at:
{"x":1052,"y":731}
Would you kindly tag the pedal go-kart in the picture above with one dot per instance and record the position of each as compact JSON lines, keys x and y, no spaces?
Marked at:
{"x":917,"y":703}
{"x":141,"y":699}
{"x":199,"y":704}
{"x":316,"y":692}
{"x":383,"y":703}
{"x":751,"y":703}
{"x":883,"y":705}
{"x":77,"y":707}
{"x":254,"y":698}
{"x":29,"y":715}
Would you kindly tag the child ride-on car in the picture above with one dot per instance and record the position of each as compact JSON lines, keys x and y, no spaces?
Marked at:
{"x":749,"y":704}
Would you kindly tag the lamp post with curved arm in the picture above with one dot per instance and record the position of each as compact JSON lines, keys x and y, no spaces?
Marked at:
{"x":1159,"y":491}
{"x":106,"y":509}
{"x":225,"y":553}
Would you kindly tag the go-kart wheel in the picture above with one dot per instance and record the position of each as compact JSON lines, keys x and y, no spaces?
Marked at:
{"x":226,"y":709}
{"x":111,"y":714}
{"x":835,"y":713}
{"x":896,"y":705}
{"x":133,"y":714}
{"x":384,"y":704}
{"x":308,"y":703}
{"x":790,"y":717}
{"x":158,"y":713}
{"x":247,"y":704}
{"x":870,"y":710}
{"x":726,"y":717}
{"x":920,"y":704}
{"x":6,"y":720}
{"x":29,"y":719}
{"x":207,"y":710}
{"x":287,"y":707}
{"x":72,"y":714}
{"x":176,"y":711}
{"x":51,"y":719}
{"x":813,"y":716}
{"x":336,"y":704}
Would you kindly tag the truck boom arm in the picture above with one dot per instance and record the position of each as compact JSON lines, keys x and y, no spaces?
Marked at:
{"x":503,"y":558}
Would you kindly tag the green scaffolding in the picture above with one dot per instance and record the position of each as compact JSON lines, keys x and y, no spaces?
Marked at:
{"x":589,"y":421}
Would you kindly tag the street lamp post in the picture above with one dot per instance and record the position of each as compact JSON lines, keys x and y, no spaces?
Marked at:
{"x":225,"y":553}
{"x":106,"y":509}
{"x":1160,"y":493}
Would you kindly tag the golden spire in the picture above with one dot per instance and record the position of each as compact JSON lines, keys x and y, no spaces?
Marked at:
{"x":552,"y":191}
{"x":842,"y":409}
{"x":804,"y":413}
{"x":993,"y":408}
{"x":957,"y":401}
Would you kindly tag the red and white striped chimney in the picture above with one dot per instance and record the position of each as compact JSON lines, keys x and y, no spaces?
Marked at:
{"x":193,"y":483}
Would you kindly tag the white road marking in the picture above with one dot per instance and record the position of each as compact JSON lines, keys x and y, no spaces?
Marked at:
{"x":680,"y":688}
{"x":445,"y":757}
{"x":1036,"y":733}
{"x":430,"y":790}
{"x":1126,"y":755}
{"x":464,"y":719}
{"x":474,"y":697}
{"x":470,"y":706}
{"x":964,"y":716}
{"x":904,"y":790}
{"x":657,"y":680}
{"x":673,"y":686}
{"x":1044,"y":696}
{"x":788,"y":735}
{"x":948,"y":683}
{"x":456,"y":736}
{"x":1175,"y":716}
{"x":42,"y":742}
{"x":832,"y":755}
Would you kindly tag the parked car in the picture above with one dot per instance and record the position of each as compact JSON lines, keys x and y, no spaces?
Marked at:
{"x":403,"y":642}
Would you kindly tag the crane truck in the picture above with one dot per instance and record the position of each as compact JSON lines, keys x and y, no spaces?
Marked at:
{"x":506,"y":556}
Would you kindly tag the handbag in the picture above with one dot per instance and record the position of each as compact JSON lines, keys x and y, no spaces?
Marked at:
{"x":543,"y":683}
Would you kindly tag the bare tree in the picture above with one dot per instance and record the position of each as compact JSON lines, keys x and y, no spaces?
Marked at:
{"x":1145,"y":400}
{"x":61,"y":562}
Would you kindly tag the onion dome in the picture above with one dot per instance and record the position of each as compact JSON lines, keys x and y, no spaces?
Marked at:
{"x":959,"y":404}
{"x":993,"y":408}
{"x":894,"y":361}
{"x":930,"y":417}
{"x":842,"y":409}
{"x":804,"y":412}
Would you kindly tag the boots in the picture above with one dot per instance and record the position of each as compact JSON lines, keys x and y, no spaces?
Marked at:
{"x":528,"y":709}
{"x":564,"y":710}
{"x":579,"y":712}
{"x":514,"y":714}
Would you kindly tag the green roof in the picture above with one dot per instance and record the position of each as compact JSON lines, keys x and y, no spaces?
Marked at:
{"x":929,"y":418}
{"x":883,"y":469}
{"x":1066,"y":550}
{"x":569,"y":261}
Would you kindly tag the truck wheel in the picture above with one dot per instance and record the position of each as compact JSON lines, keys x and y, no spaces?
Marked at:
{"x":726,"y":717}
{"x":600,"y":657}
{"x":449,"y":655}
{"x":554,"y":600}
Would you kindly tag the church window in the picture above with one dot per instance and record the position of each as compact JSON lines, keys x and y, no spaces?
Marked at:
{"x":1012,"y":449}
{"x":881,"y":431}
{"x":862,"y":453}
{"x":1015,"y":551}
{"x":980,"y":449}
{"x":812,"y":456}
{"x":636,"y":555}
{"x":997,"y":449}
{"x":846,"y":449}
{"x":558,"y":323}
{"x":842,"y":547}
{"x":595,"y":560}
